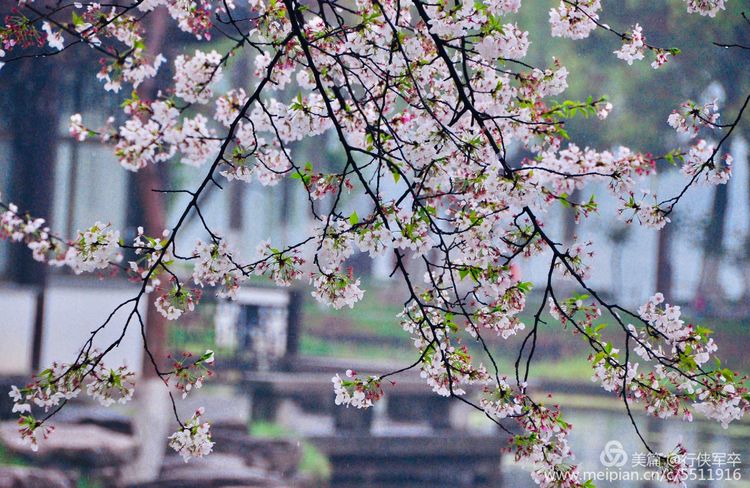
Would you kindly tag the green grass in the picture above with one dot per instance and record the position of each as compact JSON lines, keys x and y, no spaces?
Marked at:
{"x":573,"y":368}
{"x":267,"y":430}
{"x":195,"y":340}
{"x":87,"y":482}
{"x":8,"y":459}
{"x":316,"y":346}
{"x":370,"y":315}
{"x":374,"y":317}
{"x":313,"y":462}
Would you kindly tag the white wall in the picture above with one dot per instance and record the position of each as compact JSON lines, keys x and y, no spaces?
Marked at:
{"x":73,"y":309}
{"x":17,"y":307}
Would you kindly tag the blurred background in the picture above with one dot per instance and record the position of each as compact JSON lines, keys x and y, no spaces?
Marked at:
{"x":271,"y":401}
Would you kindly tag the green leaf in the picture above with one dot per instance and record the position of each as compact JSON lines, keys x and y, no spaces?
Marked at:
{"x":297,"y":104}
{"x":353,"y":218}
{"x":77,"y":19}
{"x":525,"y":286}
{"x":728,"y":374}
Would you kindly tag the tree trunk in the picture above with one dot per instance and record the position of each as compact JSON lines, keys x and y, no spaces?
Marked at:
{"x":236,"y":189}
{"x":664,"y":262}
{"x":746,"y":257}
{"x":34,"y":117}
{"x":152,"y":421}
{"x":569,"y":220}
{"x":710,"y":295}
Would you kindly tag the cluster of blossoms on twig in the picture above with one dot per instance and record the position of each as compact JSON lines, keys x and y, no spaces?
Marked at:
{"x":691,"y":117}
{"x":176,"y":301}
{"x":705,"y":7}
{"x":154,"y":132}
{"x":634,"y":47}
{"x":632,"y":50}
{"x":189,"y":373}
{"x":193,"y":439}
{"x":424,"y":101}
{"x":52,"y":388}
{"x":95,"y":248}
{"x":357,"y":392}
{"x":681,"y":352}
{"x":674,"y":377}
{"x":282,"y":268}
{"x":501,"y":401}
{"x":703,"y":163}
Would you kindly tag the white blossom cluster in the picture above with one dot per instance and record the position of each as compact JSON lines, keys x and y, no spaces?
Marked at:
{"x":193,"y":440}
{"x":95,"y":248}
{"x":356,"y":392}
{"x":190,"y":374}
{"x":632,"y":49}
{"x":215,"y":266}
{"x":690,"y":117}
{"x":500,"y":401}
{"x":575,"y":20}
{"x":110,"y":386}
{"x":195,"y":74}
{"x":337,"y":290}
{"x":667,"y":341}
{"x":423,"y":99}
{"x":705,"y":7}
{"x":703,"y":161}
{"x":62,"y":382}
